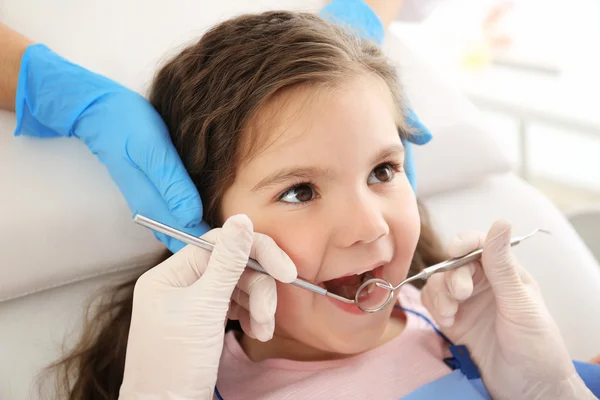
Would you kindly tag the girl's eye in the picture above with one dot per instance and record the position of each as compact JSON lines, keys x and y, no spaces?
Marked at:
{"x":383,"y":173}
{"x":301,"y":193}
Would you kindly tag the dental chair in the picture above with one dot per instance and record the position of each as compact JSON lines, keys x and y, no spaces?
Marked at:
{"x":66,"y":232}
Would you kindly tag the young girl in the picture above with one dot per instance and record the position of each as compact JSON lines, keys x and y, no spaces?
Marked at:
{"x":290,"y":120}
{"x":297,"y":124}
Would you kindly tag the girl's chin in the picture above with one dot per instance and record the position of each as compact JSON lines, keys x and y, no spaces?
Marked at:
{"x":351,"y":341}
{"x":355,"y":346}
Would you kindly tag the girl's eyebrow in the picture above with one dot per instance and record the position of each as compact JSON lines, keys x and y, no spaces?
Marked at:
{"x":394,"y":150}
{"x":312,"y":173}
{"x":285,"y":174}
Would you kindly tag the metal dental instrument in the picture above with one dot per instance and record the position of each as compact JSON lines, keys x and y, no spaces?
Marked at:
{"x":189,"y":239}
{"x":454,"y":263}
{"x":444,"y":266}
{"x":372,"y":296}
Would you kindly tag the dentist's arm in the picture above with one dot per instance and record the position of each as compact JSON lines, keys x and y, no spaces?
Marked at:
{"x":13,"y":47}
{"x":53,"y":97}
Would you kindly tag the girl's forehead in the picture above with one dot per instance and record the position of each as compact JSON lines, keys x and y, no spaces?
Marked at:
{"x":308,"y":116}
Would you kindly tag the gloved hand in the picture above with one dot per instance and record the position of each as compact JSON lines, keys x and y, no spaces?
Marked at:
{"x":495,"y":308}
{"x":180,"y":308}
{"x":57,"y":98}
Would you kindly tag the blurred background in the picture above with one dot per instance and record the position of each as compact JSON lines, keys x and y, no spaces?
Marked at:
{"x":532,"y":67}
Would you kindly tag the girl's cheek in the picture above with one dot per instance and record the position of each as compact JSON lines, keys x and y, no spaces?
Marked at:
{"x":283,"y":296}
{"x":292,"y":308}
{"x":410,"y":225}
{"x":291,"y":299}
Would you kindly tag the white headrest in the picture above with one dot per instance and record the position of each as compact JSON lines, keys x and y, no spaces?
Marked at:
{"x":462,"y":152}
{"x":64,"y":220}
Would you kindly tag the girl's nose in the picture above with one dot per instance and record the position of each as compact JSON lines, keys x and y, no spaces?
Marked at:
{"x":361,"y":220}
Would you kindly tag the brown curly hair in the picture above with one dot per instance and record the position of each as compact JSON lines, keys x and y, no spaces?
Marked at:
{"x":207,"y":95}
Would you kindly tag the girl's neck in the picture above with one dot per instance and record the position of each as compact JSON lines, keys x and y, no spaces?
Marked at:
{"x":290,"y":349}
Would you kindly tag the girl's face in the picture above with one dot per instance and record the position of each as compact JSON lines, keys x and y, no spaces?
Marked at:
{"x":330,"y":189}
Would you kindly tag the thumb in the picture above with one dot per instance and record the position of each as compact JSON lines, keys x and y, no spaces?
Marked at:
{"x":500,"y":268}
{"x":227,"y":261}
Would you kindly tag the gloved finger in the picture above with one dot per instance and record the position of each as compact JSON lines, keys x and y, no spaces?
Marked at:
{"x":176,"y":187}
{"x":262,"y":331}
{"x":254,"y":329}
{"x":257,"y":293}
{"x":154,"y":154}
{"x":237,"y":313}
{"x":433,"y":300}
{"x":234,"y":310}
{"x":421,"y":134}
{"x":460,"y":281}
{"x":464,"y":243}
{"x":143,"y":198}
{"x":241,"y":299}
{"x":274,"y":260}
{"x":409,"y":165}
{"x":261,"y":291}
{"x":227,"y":261}
{"x":441,"y":302}
{"x":498,"y":263}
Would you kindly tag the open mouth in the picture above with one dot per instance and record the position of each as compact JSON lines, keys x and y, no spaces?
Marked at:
{"x":347,"y":286}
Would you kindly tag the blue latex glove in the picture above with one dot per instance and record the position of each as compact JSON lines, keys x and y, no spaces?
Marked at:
{"x":57,"y":98}
{"x":358,"y":16}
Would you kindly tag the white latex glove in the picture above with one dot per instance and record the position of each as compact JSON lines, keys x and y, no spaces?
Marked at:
{"x":495,"y":308}
{"x":180,"y":308}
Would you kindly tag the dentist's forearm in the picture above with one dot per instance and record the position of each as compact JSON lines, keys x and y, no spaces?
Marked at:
{"x":13,"y":47}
